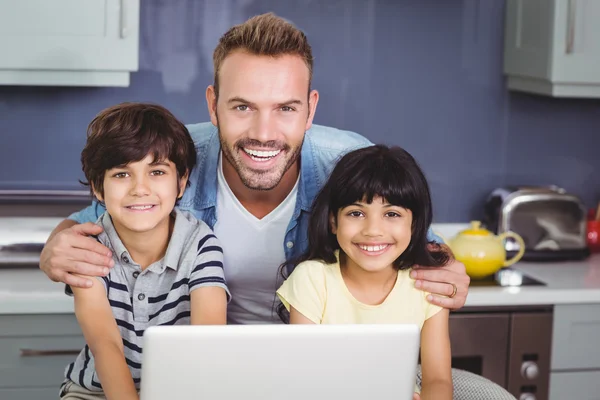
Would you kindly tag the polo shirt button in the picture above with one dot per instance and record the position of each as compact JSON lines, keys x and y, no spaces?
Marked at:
{"x":141,"y":296}
{"x":125,"y":259}
{"x":136,"y":274}
{"x":289,"y":244}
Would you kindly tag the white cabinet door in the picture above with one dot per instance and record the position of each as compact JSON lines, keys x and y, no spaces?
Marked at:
{"x":64,"y":38}
{"x":552,"y":47}
{"x":576,"y":55}
{"x":581,"y":385}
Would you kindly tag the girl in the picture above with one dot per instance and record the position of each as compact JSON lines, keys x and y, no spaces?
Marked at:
{"x":367,"y":229}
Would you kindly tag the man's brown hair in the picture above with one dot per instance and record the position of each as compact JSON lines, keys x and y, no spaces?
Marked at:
{"x":127,"y":133}
{"x":263,"y":35}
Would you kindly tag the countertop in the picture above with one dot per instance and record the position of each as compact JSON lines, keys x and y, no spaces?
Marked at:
{"x":569,"y":282}
{"x":26,"y":290}
{"x":29,"y":291}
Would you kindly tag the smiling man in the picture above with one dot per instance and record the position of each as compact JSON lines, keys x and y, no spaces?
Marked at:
{"x":260,"y":164}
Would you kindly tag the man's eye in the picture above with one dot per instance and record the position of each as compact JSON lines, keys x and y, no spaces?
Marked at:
{"x":287,"y":108}
{"x":242,"y":107}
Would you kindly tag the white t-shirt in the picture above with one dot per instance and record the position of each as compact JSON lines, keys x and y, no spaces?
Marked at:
{"x":252,"y":253}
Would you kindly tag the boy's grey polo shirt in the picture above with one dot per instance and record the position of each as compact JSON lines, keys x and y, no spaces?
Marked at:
{"x":158,"y":295}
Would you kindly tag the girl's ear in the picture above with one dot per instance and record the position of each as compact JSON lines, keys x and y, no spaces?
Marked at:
{"x":332,"y":223}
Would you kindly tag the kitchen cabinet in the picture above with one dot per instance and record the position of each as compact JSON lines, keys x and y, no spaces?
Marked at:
{"x":68,"y":42}
{"x":552,"y":47}
{"x":34,"y":351}
{"x":575,"y":365}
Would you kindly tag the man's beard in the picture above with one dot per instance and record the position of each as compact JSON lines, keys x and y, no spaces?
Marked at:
{"x":260,"y":179}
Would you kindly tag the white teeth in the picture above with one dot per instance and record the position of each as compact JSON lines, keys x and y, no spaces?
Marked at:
{"x":261,"y":154}
{"x":373,"y":248}
{"x":140,"y":207}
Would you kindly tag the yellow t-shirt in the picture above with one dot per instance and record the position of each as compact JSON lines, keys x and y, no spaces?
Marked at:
{"x":317,"y":290}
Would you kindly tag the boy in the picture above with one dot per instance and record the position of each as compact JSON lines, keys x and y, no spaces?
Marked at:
{"x":168,"y":265}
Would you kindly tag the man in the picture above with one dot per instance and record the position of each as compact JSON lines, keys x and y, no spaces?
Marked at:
{"x":260,"y":164}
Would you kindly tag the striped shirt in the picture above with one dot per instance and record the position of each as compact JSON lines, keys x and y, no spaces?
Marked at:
{"x":158,"y":295}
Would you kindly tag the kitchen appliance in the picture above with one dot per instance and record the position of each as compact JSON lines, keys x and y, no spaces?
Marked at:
{"x":508,"y":345}
{"x":551,"y":221}
{"x":506,"y":277}
{"x":482,"y":252}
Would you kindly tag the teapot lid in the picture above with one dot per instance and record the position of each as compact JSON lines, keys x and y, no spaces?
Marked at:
{"x":476,"y":230}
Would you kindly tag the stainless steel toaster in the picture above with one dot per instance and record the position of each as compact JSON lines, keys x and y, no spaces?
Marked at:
{"x":551,"y":221}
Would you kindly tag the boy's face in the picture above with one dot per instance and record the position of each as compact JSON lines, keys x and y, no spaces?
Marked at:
{"x":262,"y":112}
{"x":140,"y":195}
{"x":372,"y":235}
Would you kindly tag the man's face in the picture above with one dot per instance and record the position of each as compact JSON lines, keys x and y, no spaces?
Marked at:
{"x":262,"y":112}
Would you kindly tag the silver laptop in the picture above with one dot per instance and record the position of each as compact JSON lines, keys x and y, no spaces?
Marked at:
{"x":277,"y":362}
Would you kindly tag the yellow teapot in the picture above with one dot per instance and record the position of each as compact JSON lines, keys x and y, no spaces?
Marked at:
{"x":482,"y":252}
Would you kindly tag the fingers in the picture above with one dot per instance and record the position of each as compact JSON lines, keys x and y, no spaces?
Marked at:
{"x":453,"y":303}
{"x":87,"y":229}
{"x":434,"y":275}
{"x":438,"y":288}
{"x":72,"y":251}
{"x":75,"y":281}
{"x":89,"y":245}
{"x":440,"y":283}
{"x":416,"y":396}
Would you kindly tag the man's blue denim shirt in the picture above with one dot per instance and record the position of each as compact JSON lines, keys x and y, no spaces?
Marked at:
{"x":322,"y":148}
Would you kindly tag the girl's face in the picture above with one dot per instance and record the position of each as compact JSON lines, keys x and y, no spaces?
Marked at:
{"x":372,"y":235}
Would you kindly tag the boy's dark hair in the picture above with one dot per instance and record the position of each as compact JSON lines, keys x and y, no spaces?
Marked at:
{"x":128,"y":132}
{"x":361,"y":175}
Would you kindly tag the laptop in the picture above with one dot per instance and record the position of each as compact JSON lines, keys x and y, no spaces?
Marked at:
{"x":277,"y":362}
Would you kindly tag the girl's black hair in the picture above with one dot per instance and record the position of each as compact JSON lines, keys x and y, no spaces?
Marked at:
{"x":361,"y":175}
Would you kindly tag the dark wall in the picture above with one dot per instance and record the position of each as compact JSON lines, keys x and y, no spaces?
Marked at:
{"x":426,"y":75}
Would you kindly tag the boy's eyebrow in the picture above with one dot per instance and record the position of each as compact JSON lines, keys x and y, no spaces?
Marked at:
{"x":163,"y":163}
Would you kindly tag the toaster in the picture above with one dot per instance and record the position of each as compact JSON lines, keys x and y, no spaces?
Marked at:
{"x":551,"y":221}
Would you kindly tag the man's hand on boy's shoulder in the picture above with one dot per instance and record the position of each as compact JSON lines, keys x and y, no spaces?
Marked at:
{"x":71,"y":250}
{"x":448,"y":285}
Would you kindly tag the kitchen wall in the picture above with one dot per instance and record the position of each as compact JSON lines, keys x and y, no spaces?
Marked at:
{"x":422,"y":74}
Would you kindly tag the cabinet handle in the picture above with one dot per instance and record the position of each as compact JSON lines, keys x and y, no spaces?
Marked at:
{"x":124,"y":32}
{"x":571,"y":26}
{"x":44,"y":353}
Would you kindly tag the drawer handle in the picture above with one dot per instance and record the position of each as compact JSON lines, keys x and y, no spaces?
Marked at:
{"x":571,"y":14}
{"x":45,"y":353}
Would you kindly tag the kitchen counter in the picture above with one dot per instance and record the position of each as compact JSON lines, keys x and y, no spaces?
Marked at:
{"x":567,"y":282}
{"x":29,"y":291}
{"x":26,"y":290}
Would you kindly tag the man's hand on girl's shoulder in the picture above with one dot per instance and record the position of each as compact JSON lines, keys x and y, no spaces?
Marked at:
{"x":448,"y":285}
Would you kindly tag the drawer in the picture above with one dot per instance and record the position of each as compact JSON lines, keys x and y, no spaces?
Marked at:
{"x":35,"y":349}
{"x":576,"y":337}
{"x":30,"y":393}
{"x":575,"y":385}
